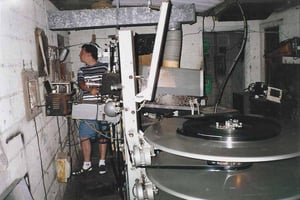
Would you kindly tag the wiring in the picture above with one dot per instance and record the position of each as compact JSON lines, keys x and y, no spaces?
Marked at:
{"x":141,"y":106}
{"x":27,"y":181}
{"x":96,"y":130}
{"x":129,"y":152}
{"x":71,"y":130}
{"x":237,"y":58}
{"x":203,"y":29}
{"x":73,"y":135}
{"x":195,"y":33}
{"x":214,"y":24}
{"x":41,"y":160}
{"x":59,"y":133}
{"x":77,"y":143}
{"x":193,"y":167}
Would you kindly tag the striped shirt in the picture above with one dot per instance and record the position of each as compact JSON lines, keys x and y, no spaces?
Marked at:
{"x":92,"y":76}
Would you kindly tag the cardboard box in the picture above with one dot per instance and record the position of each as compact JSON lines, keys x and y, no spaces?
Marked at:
{"x":63,"y":167}
{"x":145,"y":59}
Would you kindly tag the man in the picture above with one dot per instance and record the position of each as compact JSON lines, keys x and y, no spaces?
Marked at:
{"x":89,"y":79}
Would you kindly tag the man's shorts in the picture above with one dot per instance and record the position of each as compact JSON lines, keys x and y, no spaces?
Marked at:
{"x":87,"y":128}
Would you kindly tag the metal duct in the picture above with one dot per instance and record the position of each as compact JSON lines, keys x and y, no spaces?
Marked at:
{"x":172,"y":52}
{"x":111,"y":17}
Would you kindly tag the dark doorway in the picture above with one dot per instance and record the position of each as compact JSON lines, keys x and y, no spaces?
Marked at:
{"x":271,"y":43}
{"x":220,"y":50}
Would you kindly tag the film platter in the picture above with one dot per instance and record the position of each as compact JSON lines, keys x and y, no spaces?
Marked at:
{"x":273,"y":153}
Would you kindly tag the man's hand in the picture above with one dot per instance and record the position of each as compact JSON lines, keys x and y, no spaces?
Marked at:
{"x":93,"y":90}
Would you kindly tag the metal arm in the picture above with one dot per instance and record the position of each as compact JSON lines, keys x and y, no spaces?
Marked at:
{"x":148,"y":93}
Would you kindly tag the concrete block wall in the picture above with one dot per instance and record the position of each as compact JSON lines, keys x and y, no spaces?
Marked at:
{"x":191,"y":52}
{"x":289,"y":27}
{"x":18,"y":20}
{"x":253,"y":54}
{"x":81,"y":37}
{"x":191,"y":56}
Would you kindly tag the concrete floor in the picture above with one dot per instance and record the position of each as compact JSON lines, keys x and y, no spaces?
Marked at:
{"x":93,"y":186}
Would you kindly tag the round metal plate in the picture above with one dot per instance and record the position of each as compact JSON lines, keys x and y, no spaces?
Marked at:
{"x":263,"y":180}
{"x":163,"y":135}
{"x":232,"y":127}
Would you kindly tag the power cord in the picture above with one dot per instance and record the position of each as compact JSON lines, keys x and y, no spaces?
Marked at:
{"x":237,"y":58}
{"x":72,"y":130}
{"x":26,"y":178}
{"x":41,"y":160}
{"x":59,"y":133}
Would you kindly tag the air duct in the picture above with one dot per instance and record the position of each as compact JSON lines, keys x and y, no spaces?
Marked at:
{"x":172,"y":52}
{"x":112,"y":17}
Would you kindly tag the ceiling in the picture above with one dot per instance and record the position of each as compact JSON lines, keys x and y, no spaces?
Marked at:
{"x":224,"y":10}
{"x":201,"y":5}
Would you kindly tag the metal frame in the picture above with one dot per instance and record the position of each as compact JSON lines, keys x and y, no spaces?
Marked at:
{"x":129,"y":114}
{"x":136,"y":149}
{"x":148,"y":93}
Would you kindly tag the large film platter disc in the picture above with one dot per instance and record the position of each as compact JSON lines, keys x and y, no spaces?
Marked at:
{"x":164,"y":135}
{"x":263,"y":180}
{"x":231,"y":127}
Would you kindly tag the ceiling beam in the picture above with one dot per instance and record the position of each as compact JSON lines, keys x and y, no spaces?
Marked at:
{"x":112,"y":17}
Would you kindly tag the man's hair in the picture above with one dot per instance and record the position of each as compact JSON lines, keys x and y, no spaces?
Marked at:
{"x":91,"y":48}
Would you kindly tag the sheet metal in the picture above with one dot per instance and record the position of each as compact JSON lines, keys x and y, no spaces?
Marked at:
{"x":233,"y":127}
{"x":111,"y":17}
{"x":163,"y":135}
{"x":263,"y":180}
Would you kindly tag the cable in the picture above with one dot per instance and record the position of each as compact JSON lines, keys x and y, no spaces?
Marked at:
{"x":99,"y":98}
{"x":128,"y":149}
{"x":41,"y":160}
{"x":100,"y":132}
{"x":27,"y":181}
{"x":72,"y":131}
{"x":59,"y":134}
{"x":237,"y":58}
{"x":194,"y":167}
{"x":214,"y":24}
{"x":141,"y":106}
{"x":77,"y":143}
{"x":95,"y":129}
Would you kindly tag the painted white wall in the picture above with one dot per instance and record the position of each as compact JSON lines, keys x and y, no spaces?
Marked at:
{"x":18,"y":20}
{"x":253,"y":54}
{"x":191,"y":56}
{"x":192,"y":41}
{"x":191,"y":53}
{"x":81,"y":37}
{"x":289,"y":27}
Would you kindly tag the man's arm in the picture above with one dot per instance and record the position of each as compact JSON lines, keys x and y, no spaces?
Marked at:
{"x":91,"y":90}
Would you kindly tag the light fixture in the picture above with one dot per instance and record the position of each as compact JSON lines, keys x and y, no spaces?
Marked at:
{"x":63,"y":54}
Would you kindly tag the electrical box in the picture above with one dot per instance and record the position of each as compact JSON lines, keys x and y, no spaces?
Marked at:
{"x":58,"y":104}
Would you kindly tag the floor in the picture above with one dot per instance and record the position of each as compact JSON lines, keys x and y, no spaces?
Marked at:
{"x":93,"y":186}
